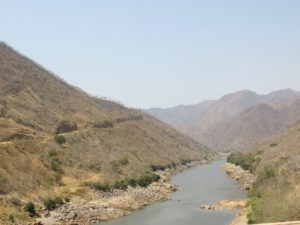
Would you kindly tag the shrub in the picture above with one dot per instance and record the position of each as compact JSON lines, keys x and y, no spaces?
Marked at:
{"x":104,"y":124}
{"x":144,"y":181}
{"x":132,"y":182}
{"x":124,"y":161}
{"x":30,"y":208}
{"x":248,"y":161}
{"x":59,"y":139}
{"x":15,"y":201}
{"x":11,"y":218}
{"x":147,"y":179}
{"x":100,"y":187}
{"x":185,"y":161}
{"x":115,"y":167}
{"x":273,"y":145}
{"x":67,"y":199}
{"x":121,"y":185}
{"x":52,"y":204}
{"x":55,"y":164}
{"x":66,"y":127}
{"x":3,"y":185}
{"x":268,"y":173}
{"x":52,"y":153}
{"x":157,"y":168}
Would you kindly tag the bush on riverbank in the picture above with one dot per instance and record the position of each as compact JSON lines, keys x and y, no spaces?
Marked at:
{"x":53,"y":203}
{"x":248,"y":161}
{"x":143,"y":181}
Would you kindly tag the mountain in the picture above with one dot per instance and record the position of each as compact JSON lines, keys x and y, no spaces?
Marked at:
{"x":54,"y":135}
{"x":234,"y":120}
{"x":252,"y":125}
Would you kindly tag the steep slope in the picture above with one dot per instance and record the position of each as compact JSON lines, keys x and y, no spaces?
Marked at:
{"x":227,"y":123}
{"x":275,"y":196}
{"x":53,"y":134}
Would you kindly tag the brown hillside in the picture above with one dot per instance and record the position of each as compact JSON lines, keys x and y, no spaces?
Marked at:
{"x":275,"y":196}
{"x":35,"y":105}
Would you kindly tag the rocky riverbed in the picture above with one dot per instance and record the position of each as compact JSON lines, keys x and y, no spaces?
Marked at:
{"x":101,"y":206}
{"x":107,"y":206}
{"x":244,"y":177}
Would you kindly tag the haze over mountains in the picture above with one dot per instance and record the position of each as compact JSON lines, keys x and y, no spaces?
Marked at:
{"x":236,"y":120}
{"x":35,"y":105}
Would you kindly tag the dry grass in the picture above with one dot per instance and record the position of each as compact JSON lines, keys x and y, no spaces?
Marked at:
{"x":33,"y":104}
{"x":275,"y":196}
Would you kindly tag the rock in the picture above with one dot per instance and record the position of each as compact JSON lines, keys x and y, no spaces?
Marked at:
{"x":245,"y":178}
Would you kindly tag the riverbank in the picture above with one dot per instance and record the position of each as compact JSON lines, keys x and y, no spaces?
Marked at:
{"x":246,"y":179}
{"x":101,"y":206}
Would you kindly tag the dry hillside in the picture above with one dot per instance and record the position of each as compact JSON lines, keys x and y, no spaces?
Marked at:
{"x":98,"y":139}
{"x":275,"y":196}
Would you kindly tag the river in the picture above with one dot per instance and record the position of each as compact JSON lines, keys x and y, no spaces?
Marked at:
{"x":202,"y":185}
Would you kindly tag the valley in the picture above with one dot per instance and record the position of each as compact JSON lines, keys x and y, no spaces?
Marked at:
{"x":71,"y":158}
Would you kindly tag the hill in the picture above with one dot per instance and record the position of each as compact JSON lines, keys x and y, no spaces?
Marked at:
{"x":236,"y":120}
{"x":276,"y":162}
{"x":54,"y":137}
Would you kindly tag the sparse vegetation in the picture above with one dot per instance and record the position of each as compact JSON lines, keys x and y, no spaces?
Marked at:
{"x":52,"y":153}
{"x":185,"y":161}
{"x":248,"y":161}
{"x":99,"y":186}
{"x":104,"y":124}
{"x":48,"y":146}
{"x":30,"y":208}
{"x":55,"y":164}
{"x":67,"y":199}
{"x":147,"y":179}
{"x":132,"y":182}
{"x":158,"y":168}
{"x":121,"y":185}
{"x":53,"y":203}
{"x":143,"y":181}
{"x":273,"y":145}
{"x":66,"y":127}
{"x":124,"y":161}
{"x":3,"y":186}
{"x":60,"y":139}
{"x":16,"y":201}
{"x":118,"y":164}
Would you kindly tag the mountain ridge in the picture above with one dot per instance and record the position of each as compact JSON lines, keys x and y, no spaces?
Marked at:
{"x":203,"y":123}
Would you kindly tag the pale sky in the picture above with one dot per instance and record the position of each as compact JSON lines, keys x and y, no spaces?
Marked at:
{"x":160,"y":53}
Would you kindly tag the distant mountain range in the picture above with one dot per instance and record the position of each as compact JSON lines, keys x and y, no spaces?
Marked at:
{"x":236,"y":120}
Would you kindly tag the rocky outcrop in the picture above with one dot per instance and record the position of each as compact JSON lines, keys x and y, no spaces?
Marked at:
{"x":244,"y":177}
{"x":241,"y":217}
{"x":226,"y":204}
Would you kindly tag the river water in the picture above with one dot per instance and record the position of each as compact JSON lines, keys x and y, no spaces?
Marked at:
{"x":202,"y":185}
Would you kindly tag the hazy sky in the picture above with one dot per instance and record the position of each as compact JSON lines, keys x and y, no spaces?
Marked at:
{"x":160,"y":52}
